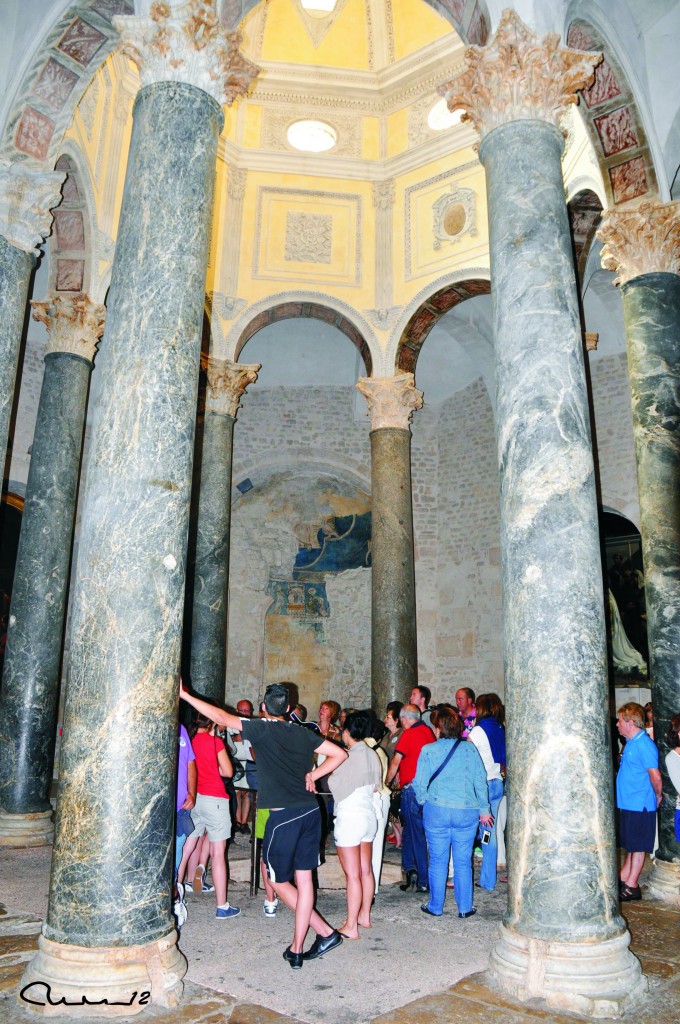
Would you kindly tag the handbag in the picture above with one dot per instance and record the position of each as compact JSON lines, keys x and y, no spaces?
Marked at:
{"x":444,"y":763}
{"x":237,"y":768}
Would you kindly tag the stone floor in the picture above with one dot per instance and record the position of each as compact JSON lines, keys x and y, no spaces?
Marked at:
{"x":409,"y":968}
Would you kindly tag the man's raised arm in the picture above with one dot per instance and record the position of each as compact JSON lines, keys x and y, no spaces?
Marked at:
{"x":212,"y":712}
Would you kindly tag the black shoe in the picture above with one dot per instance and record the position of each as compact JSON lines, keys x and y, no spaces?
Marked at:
{"x":426,"y":910}
{"x":469,"y":913}
{"x":294,"y":959}
{"x":410,"y":883}
{"x":422,"y":888}
{"x":320,"y":946}
{"x":628,"y":893}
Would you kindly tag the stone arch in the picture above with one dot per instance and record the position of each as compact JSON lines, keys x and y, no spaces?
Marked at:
{"x":289,"y":305}
{"x":72,"y":261}
{"x":612,"y":116}
{"x":585,"y":212}
{"x":70,"y":53}
{"x":428,"y":306}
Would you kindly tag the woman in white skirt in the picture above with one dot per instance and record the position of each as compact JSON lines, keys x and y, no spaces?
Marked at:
{"x":355,"y":786}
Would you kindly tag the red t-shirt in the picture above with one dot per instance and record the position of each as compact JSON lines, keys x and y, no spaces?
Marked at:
{"x":206,"y":749}
{"x":410,"y":743}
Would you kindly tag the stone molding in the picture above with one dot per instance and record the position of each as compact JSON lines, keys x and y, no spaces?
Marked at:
{"x":391,"y":400}
{"x":227,"y":383}
{"x":186,"y":44}
{"x":519,"y":76}
{"x":644,"y":239}
{"x":74,"y":323}
{"x":27,"y":198}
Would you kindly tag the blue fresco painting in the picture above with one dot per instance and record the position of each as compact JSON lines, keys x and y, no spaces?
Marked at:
{"x":343,"y":543}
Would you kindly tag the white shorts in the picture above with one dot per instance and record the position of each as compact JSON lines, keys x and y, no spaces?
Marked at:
{"x":211,"y":814}
{"x":355,"y":819}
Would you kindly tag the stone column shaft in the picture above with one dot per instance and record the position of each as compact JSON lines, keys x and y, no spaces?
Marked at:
{"x":30,"y":684}
{"x":227,"y":382}
{"x":26,"y":199}
{"x":109,"y":932}
{"x":394,"y":657}
{"x":642,"y":244}
{"x":562,"y":939}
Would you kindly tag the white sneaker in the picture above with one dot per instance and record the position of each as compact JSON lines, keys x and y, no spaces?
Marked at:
{"x":180,"y":912}
{"x":180,"y":891}
{"x":270,"y":907}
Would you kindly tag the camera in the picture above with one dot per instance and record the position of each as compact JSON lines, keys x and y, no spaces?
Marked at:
{"x":486,"y":836}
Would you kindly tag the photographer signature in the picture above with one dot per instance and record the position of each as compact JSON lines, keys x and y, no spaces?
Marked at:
{"x":83,"y":1001}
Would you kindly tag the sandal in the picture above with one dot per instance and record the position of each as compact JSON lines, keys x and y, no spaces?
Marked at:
{"x":629,"y":893}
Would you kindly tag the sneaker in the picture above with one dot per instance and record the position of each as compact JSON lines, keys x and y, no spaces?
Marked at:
{"x":270,"y":907}
{"x":199,"y":877}
{"x":180,"y":891}
{"x":207,"y":886}
{"x":180,"y":912}
{"x":245,"y":829}
{"x":224,"y":913}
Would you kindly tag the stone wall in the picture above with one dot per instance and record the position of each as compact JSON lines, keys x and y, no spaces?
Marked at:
{"x":614,"y":435}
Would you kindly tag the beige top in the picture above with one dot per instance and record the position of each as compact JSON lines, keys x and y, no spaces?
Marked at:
{"x":361,"y":768}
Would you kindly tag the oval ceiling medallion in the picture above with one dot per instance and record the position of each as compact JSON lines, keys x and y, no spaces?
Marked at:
{"x":312,"y":136}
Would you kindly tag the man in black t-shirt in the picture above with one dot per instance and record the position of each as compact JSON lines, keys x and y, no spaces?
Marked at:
{"x":290,"y":848}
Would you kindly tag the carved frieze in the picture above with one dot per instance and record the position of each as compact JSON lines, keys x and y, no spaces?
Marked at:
{"x":643,"y":239}
{"x":519,"y":76}
{"x":74,"y":323}
{"x":277,"y":121}
{"x":187,"y":44}
{"x":26,"y":201}
{"x":308,"y":237}
{"x":391,"y":400}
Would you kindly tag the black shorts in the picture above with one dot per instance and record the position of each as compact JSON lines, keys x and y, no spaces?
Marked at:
{"x":637,"y":831}
{"x":292,"y":838}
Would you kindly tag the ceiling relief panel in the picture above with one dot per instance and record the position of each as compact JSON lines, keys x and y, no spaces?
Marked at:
{"x":315,"y":25}
{"x":276,"y":122}
{"x":438,"y":213}
{"x":302,"y":234}
{"x":613,"y":122}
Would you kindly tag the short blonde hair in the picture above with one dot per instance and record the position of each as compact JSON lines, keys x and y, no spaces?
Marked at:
{"x":632,"y":712}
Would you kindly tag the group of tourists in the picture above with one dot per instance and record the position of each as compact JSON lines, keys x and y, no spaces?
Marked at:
{"x":431,"y":776}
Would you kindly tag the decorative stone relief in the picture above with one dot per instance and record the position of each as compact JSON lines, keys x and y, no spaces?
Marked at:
{"x":236,"y":182}
{"x":519,"y":76}
{"x":74,"y":323}
{"x":26,"y":201}
{"x":276,"y":122}
{"x":454,"y":215}
{"x":644,"y":239}
{"x":391,"y":400}
{"x":383,"y":319}
{"x":226,"y":306}
{"x":411,"y":192}
{"x":383,"y":194}
{"x":186,"y":44}
{"x":308,"y":237}
{"x":317,"y":27}
{"x":227,"y":383}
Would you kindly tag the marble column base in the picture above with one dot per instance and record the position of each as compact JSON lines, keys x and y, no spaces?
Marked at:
{"x":599,"y":979}
{"x":664,"y":882}
{"x":133,"y":977}
{"x":26,"y":829}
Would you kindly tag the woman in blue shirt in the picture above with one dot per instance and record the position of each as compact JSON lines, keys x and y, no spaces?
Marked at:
{"x":451,"y":784}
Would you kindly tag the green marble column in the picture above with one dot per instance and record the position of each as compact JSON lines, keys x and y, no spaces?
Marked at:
{"x":394,"y":656}
{"x":27,"y":198}
{"x":226,"y":384}
{"x":643,"y":246}
{"x":110,"y":935}
{"x":30,"y":682}
{"x":563,"y":939}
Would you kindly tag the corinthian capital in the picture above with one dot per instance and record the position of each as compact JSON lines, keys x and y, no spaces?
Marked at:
{"x":643,"y":239}
{"x":186,"y":44}
{"x":74,"y":323}
{"x":518,"y":76}
{"x":391,"y":400}
{"x":227,"y":383}
{"x":383,"y":194}
{"x":27,"y":198}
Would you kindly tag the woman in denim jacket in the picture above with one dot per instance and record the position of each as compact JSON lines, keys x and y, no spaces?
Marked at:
{"x":455,"y":801}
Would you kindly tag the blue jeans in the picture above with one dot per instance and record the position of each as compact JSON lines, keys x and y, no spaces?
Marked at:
{"x":450,"y":828}
{"x":487,"y":876}
{"x":413,"y":845}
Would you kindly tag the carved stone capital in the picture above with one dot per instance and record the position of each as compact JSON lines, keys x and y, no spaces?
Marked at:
{"x":518,"y":76}
{"x":27,"y":198}
{"x":391,"y":400}
{"x":227,"y":382}
{"x":383,"y":194}
{"x":186,"y":44}
{"x":643,"y":239}
{"x":74,"y":323}
{"x":236,"y":182}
